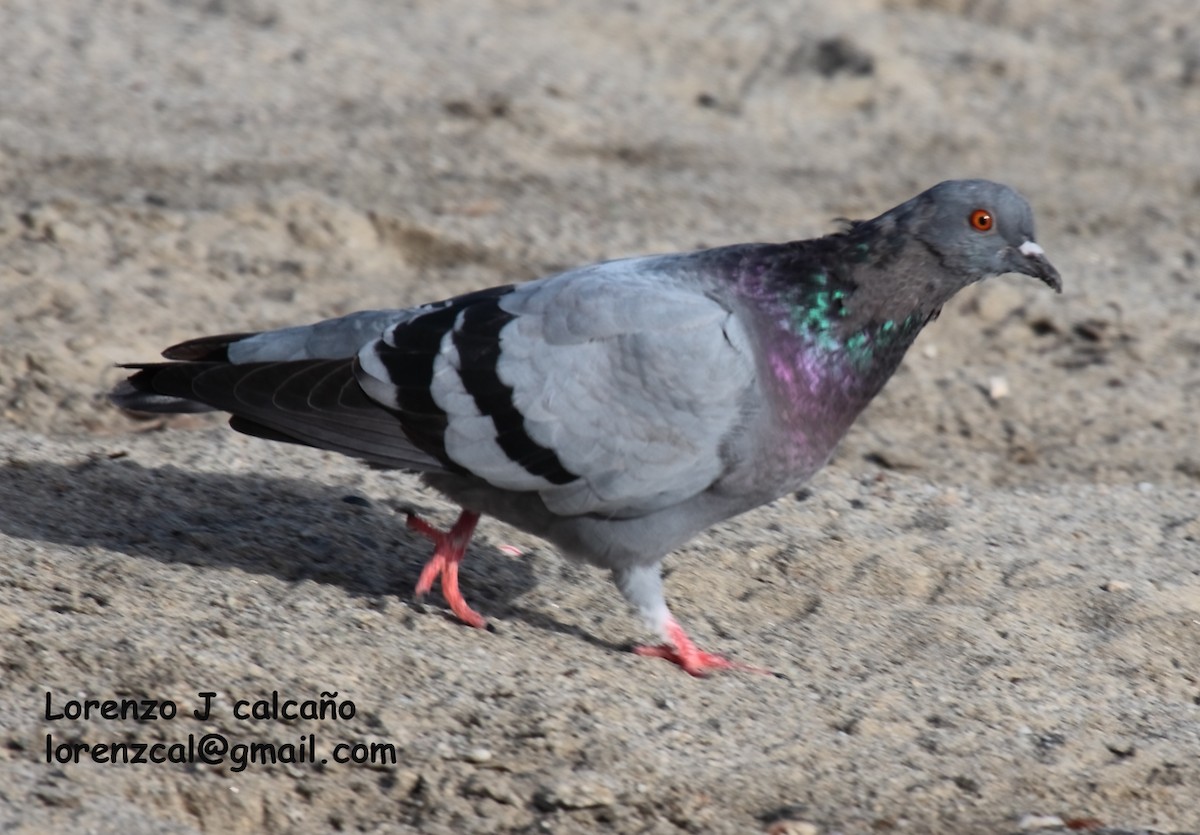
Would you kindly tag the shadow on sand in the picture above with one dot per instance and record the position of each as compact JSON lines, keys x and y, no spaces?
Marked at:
{"x":288,"y":528}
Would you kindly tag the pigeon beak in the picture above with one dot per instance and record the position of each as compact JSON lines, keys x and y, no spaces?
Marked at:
{"x":1032,"y":261}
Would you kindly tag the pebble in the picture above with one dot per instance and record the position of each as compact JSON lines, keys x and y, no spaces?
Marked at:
{"x":998,"y":388}
{"x":1040,"y":822}
{"x":495,"y":787}
{"x":793,"y":828}
{"x":575,"y":793}
{"x":479,"y":756}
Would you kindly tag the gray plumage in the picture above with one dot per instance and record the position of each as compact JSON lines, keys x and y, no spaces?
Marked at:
{"x":618,"y":409}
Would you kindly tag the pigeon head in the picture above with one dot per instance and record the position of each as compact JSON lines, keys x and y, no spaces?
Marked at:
{"x":978,"y":229}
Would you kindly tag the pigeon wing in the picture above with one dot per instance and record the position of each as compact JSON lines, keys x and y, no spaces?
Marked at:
{"x":607,"y":390}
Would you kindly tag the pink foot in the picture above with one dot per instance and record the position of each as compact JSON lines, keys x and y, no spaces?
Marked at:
{"x":691,"y":658}
{"x":449,"y":549}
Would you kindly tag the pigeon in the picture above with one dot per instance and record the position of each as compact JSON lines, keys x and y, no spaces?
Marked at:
{"x":618,"y":409}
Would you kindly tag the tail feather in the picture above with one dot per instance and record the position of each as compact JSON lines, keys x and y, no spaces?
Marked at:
{"x":206,"y":348}
{"x":316,"y":403}
{"x":139,"y":393}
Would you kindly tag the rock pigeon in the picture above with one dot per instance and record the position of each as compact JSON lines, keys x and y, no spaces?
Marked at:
{"x":617,"y":409}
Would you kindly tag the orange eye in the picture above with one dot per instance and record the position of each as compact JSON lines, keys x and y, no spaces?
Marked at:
{"x":981,"y":220}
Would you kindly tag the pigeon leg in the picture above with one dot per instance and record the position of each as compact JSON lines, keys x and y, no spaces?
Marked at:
{"x":682,"y":651}
{"x":449,"y":549}
{"x":642,"y":586}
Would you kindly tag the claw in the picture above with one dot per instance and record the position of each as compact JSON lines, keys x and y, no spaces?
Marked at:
{"x":449,"y":549}
{"x":694,"y":661}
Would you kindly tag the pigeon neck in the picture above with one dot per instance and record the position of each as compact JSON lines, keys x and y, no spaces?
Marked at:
{"x":836,"y":308}
{"x":828,"y":338}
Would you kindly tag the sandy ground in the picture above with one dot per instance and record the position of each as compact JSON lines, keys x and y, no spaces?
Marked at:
{"x":987,"y":608}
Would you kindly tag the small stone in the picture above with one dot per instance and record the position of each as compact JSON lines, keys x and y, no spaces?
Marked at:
{"x":793,"y":828}
{"x":1040,"y":822}
{"x":998,"y":388}
{"x":951,"y":498}
{"x":57,"y":796}
{"x":478,"y":756}
{"x":495,"y":787}
{"x":1116,"y":586}
{"x":1122,"y":749}
{"x":407,"y":781}
{"x":574,"y":793}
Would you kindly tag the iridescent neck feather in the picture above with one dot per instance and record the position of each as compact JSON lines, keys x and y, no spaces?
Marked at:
{"x":829,"y":341}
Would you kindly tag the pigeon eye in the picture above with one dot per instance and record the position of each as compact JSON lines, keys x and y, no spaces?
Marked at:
{"x":981,"y":220}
